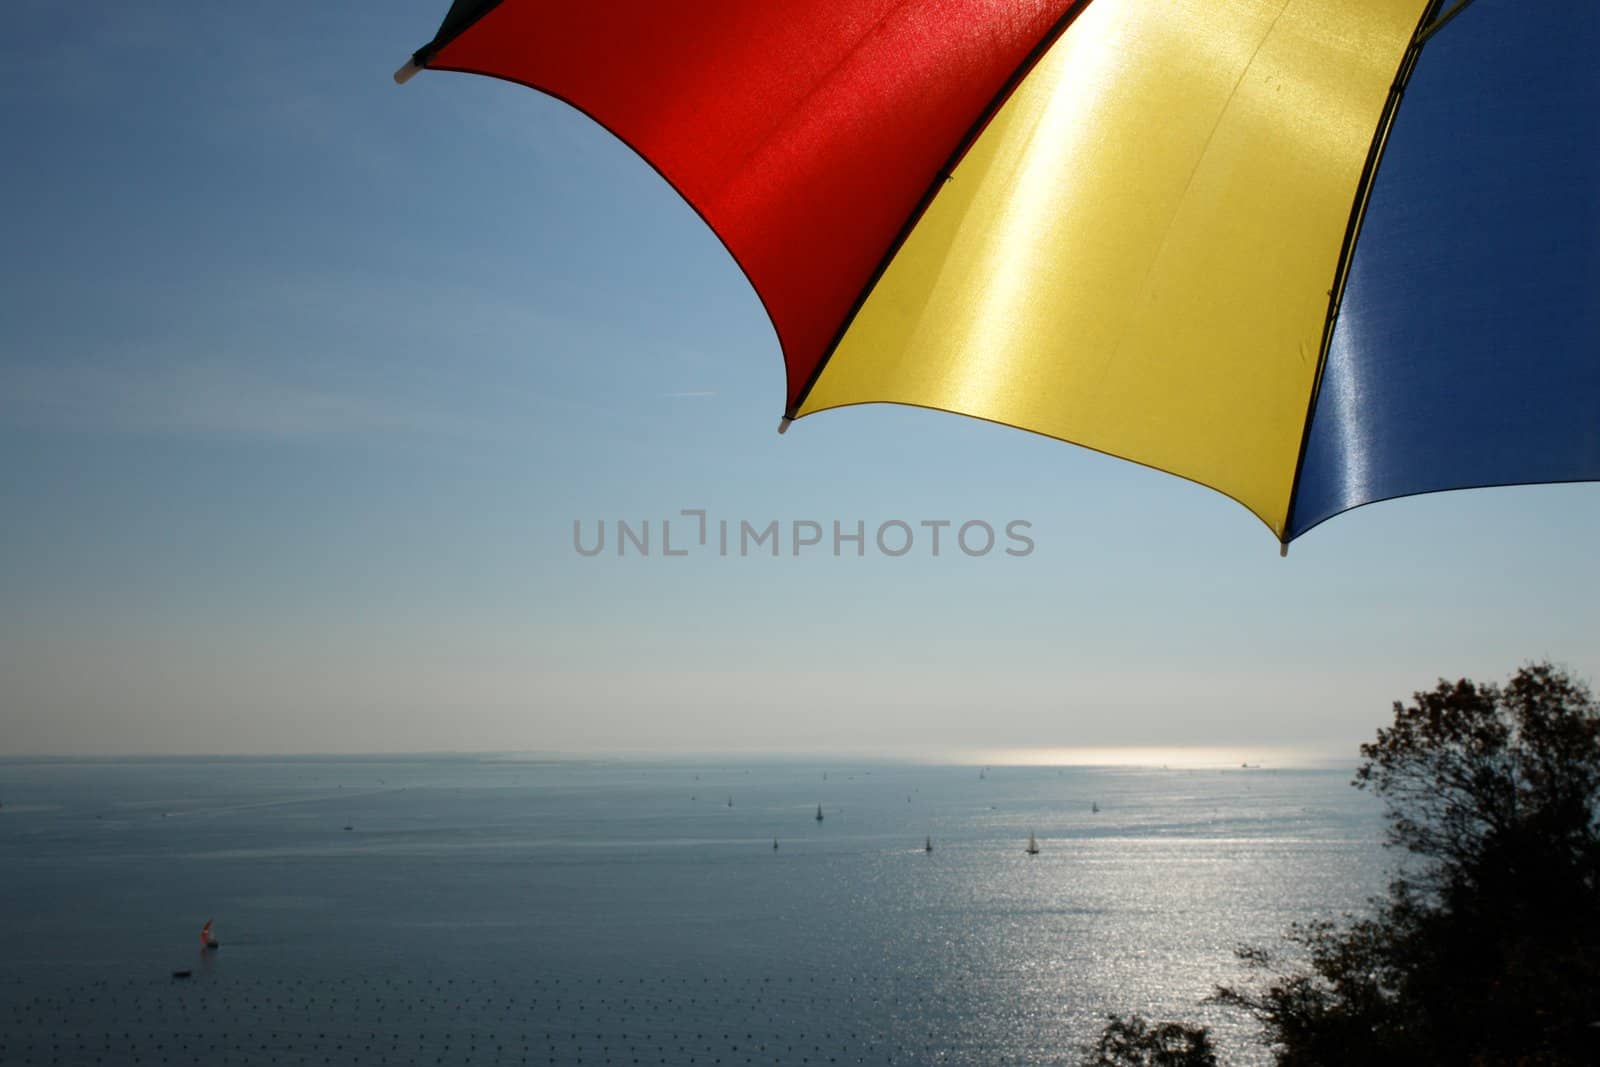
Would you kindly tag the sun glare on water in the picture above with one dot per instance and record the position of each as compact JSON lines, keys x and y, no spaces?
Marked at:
{"x":1186,"y":757}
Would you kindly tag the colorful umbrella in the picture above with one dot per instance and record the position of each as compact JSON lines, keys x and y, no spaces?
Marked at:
{"x":1132,"y":224}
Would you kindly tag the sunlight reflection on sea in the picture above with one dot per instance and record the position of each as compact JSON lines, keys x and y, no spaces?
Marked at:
{"x":403,"y":908}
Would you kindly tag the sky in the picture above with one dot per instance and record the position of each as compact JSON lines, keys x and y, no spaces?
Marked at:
{"x":306,"y":379}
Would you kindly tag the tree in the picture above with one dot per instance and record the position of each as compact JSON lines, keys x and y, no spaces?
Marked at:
{"x":1132,"y":1042}
{"x":1486,"y":950}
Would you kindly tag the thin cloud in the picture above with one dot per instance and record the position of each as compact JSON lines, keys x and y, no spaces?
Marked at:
{"x":204,"y":399}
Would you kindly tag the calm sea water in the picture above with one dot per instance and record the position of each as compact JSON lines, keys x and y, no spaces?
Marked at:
{"x":499,"y":911}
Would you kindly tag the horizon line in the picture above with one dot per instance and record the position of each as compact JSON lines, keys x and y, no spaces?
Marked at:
{"x":1180,"y":756}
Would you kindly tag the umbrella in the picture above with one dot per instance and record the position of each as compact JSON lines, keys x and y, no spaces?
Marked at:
{"x":1132,"y":225}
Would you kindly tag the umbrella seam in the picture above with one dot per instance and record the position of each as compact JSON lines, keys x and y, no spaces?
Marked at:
{"x":1358,"y":211}
{"x":941,"y":176}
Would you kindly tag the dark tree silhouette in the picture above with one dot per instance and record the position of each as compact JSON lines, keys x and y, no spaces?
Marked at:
{"x":1132,"y":1042}
{"x":1486,"y":950}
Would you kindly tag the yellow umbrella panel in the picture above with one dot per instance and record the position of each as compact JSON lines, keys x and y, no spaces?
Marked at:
{"x":1140,"y":251}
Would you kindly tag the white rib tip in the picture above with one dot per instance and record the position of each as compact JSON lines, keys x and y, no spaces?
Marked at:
{"x":1283,"y":549}
{"x":783,"y":424}
{"x":407,"y":72}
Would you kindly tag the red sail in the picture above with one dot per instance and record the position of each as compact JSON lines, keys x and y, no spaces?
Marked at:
{"x":205,"y":933}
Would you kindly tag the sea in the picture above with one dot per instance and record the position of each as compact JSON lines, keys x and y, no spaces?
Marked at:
{"x":519,"y":910}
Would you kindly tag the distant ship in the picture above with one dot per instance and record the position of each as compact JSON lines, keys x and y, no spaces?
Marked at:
{"x":730,"y":802}
{"x":774,"y":844}
{"x":1094,"y":806}
{"x":205,"y":936}
{"x":927,"y":845}
{"x":1033,"y":845}
{"x":819,"y":812}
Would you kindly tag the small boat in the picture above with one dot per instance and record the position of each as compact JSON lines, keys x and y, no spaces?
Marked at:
{"x":1033,"y":844}
{"x":182,"y":974}
{"x":774,"y":844}
{"x":730,"y":802}
{"x":205,"y":936}
{"x":927,"y":845}
{"x":819,"y":812}
{"x":1094,"y":807}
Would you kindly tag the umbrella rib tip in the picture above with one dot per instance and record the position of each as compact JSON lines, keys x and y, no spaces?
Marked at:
{"x":407,"y":71}
{"x":783,"y":424}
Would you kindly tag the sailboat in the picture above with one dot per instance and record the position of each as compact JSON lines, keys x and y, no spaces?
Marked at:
{"x":205,"y":936}
{"x":730,"y":802}
{"x":819,"y":812}
{"x":1033,"y":844}
{"x":927,"y":845}
{"x":774,"y":844}
{"x":1094,"y":806}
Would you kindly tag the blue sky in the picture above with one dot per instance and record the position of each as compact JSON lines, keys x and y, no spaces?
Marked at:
{"x":305,"y":377}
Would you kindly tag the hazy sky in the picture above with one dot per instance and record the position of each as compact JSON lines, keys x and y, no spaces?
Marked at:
{"x":305,"y":378}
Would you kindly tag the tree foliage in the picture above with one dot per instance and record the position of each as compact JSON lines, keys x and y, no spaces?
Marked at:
{"x":1133,"y":1042}
{"x":1486,"y":950}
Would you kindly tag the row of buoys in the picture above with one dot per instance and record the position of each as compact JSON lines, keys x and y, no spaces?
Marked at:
{"x":633,"y":1001}
{"x":240,"y":981}
{"x":277,"y":1044}
{"x":274,"y":1042}
{"x":248,"y":985}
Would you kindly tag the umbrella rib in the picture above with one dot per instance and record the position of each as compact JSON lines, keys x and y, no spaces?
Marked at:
{"x":941,"y":176}
{"x":1438,"y":24}
{"x":1179,"y":204}
{"x":1429,"y":24}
